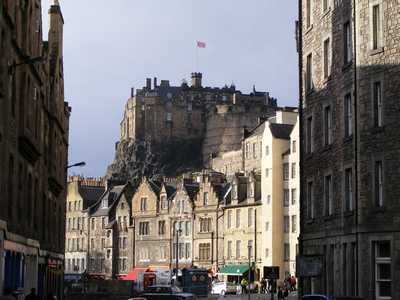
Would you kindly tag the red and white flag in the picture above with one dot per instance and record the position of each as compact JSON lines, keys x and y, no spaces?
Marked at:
{"x":201,"y":44}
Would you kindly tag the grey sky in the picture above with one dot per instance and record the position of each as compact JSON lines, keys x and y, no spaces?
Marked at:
{"x":110,"y":46}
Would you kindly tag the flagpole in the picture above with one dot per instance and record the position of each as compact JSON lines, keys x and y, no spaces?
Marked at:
{"x":197,"y":58}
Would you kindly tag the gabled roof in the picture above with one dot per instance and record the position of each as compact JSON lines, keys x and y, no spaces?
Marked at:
{"x":111,"y":196}
{"x":191,"y":189}
{"x":90,"y":194}
{"x":281,"y":131}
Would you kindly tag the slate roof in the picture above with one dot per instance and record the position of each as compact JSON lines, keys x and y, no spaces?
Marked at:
{"x":191,"y":189}
{"x":90,"y":194}
{"x":281,"y":131}
{"x":111,"y":196}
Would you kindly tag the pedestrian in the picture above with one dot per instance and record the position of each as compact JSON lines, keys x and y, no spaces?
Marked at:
{"x":263,"y":285}
{"x":7,"y":295}
{"x":293,"y":283}
{"x":280,"y":293}
{"x":243,"y":283}
{"x":32,"y":295}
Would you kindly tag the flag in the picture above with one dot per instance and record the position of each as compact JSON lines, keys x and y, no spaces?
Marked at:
{"x":201,"y":44}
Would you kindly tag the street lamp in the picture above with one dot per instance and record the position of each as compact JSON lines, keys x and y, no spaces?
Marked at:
{"x":249,"y":278}
{"x":178,"y":232}
{"x":79,"y":164}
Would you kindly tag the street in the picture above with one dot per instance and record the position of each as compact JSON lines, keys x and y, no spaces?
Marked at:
{"x":292,"y":296}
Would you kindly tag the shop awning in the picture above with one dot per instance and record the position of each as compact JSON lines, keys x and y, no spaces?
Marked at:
{"x":133,"y":275}
{"x":237,"y":270}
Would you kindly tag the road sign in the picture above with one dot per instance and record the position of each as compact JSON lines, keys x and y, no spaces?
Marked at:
{"x":271,"y":272}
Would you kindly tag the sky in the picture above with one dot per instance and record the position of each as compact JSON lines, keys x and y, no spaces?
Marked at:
{"x":111,"y":46}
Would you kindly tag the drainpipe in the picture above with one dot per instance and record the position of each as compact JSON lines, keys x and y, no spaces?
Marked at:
{"x":355,"y":143}
{"x":301,"y":145}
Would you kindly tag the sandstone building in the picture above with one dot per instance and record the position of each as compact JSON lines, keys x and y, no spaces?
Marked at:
{"x":349,"y":57}
{"x":33,"y":149}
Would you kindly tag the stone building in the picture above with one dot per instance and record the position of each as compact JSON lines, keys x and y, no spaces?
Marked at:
{"x":151,"y":205}
{"x":279,"y":177}
{"x":208,"y":227}
{"x":182,"y":218}
{"x":82,"y":193}
{"x":242,"y":228}
{"x":33,"y":149}
{"x":349,"y":57}
{"x":106,"y":228}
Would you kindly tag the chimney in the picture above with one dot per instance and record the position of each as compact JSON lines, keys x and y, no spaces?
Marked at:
{"x":155,"y":82}
{"x":196,"y":80}
{"x":148,"y":84}
{"x":132,"y":92}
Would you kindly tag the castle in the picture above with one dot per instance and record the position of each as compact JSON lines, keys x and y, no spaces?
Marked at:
{"x":160,"y":112}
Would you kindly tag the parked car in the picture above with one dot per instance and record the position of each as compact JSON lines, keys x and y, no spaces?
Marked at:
{"x":314,"y":297}
{"x":222,"y":288}
{"x":166,"y":292}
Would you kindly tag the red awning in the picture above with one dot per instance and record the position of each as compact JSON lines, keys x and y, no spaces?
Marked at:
{"x":133,"y":275}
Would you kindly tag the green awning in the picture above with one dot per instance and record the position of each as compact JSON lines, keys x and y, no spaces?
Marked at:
{"x":237,"y":270}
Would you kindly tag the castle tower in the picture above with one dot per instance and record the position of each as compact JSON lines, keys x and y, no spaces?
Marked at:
{"x":196,"y":80}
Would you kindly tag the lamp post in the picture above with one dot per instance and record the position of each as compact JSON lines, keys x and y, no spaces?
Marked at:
{"x":178,"y":232}
{"x":249,"y":277}
{"x":79,"y":164}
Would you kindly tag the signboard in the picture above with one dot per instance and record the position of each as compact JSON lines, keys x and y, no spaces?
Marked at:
{"x":271,"y":272}
{"x":309,"y":265}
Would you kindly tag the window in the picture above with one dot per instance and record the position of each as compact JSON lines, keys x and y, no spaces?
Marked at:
{"x":286,"y":224}
{"x":286,"y":251}
{"x":348,"y":116}
{"x":294,"y":148}
{"x":254,"y":151}
{"x":377,"y":99}
{"x":376,"y":27}
{"x":143,"y":204}
{"x":187,"y":228}
{"x":328,"y":195}
{"x":378,"y":184}
{"x":348,"y":189}
{"x":266,"y":252}
{"x":309,"y":135}
{"x":229,"y":254}
{"x":238,"y":245}
{"x":327,"y":58}
{"x":104,"y":203}
{"x":238,"y":218}
{"x":247,"y":150}
{"x":164,"y":203}
{"x":169,"y":117}
{"x":204,"y":251}
{"x":125,"y":223}
{"x":294,"y":224}
{"x":325,"y":5}
{"x":266,"y":226}
{"x":103,"y":243}
{"x":187,"y":250}
{"x":250,"y":247}
{"x":229,"y":222}
{"x":144,"y":228}
{"x":161,"y":227}
{"x":294,"y":196}
{"x":308,"y":13}
{"x":124,"y":264}
{"x":205,"y":199}
{"x":347,"y":43}
{"x":108,"y":253}
{"x":103,"y":222}
{"x":286,"y":197}
{"x":205,"y":224}
{"x":268,"y":199}
{"x":266,"y":150}
{"x":285,"y":171}
{"x":92,"y":243}
{"x":267,"y":172}
{"x":310,"y":200}
{"x":163,"y":252}
{"x":250,"y":213}
{"x":327,"y":125}
{"x":293,"y":170}
{"x":383,"y":270}
{"x":181,"y":250}
{"x":309,"y":75}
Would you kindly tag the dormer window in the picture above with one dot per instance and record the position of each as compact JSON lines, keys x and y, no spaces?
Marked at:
{"x":164,"y":203}
{"x":143,"y":204}
{"x":104,"y":203}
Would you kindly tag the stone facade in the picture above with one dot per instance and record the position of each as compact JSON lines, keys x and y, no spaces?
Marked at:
{"x":82,"y":193}
{"x":349,"y":59}
{"x":33,"y":148}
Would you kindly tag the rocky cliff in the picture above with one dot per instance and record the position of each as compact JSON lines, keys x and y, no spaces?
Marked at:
{"x":135,"y":159}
